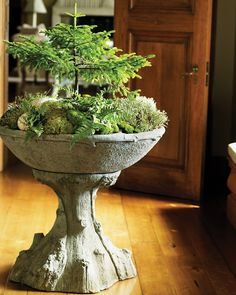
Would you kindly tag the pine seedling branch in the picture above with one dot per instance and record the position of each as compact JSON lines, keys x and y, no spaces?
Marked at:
{"x":75,"y":52}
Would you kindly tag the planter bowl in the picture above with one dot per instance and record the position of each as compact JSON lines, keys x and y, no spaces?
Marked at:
{"x":95,"y":154}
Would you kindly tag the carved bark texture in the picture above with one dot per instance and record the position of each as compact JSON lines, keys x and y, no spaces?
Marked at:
{"x":74,"y":256}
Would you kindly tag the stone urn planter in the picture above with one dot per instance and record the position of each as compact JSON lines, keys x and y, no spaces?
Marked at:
{"x":75,"y":256}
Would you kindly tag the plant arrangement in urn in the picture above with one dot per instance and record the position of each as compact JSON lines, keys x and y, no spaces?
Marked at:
{"x":76,"y":144}
{"x":77,"y":53}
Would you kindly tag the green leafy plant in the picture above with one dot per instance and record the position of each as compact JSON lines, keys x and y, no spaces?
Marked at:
{"x":78,"y":53}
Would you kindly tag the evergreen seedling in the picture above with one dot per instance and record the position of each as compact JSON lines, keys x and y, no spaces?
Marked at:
{"x":77,"y":53}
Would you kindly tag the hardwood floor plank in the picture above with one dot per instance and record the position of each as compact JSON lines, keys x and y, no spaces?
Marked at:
{"x":188,"y":273}
{"x":188,"y":278}
{"x":208,"y":259}
{"x":220,"y":230}
{"x":172,"y":240}
{"x":110,"y":213}
{"x":15,"y":292}
{"x":217,"y":269}
{"x":138,"y":219}
{"x":174,"y":253}
{"x":5,"y":268}
{"x":185,"y":267}
{"x":152,"y":270}
{"x":149,"y":259}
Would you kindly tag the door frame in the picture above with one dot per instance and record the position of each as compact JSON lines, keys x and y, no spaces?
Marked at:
{"x":4,"y":18}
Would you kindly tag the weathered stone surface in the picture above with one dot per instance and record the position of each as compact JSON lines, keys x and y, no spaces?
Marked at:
{"x":96,"y":154}
{"x":74,"y":256}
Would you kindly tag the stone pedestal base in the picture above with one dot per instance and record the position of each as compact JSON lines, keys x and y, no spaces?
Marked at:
{"x":74,"y":256}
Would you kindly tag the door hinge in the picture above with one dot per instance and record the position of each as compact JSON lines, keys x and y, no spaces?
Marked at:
{"x":207,"y":74}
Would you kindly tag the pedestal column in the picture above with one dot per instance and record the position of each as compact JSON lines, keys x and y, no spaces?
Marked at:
{"x":74,"y":256}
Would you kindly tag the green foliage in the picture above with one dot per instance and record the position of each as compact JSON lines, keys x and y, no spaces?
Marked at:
{"x":78,"y":53}
{"x":41,"y":55}
{"x":75,"y":52}
{"x":92,"y":115}
{"x":86,"y":115}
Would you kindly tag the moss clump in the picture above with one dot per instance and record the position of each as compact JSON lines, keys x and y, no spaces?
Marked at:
{"x":10,"y":117}
{"x":109,"y":128}
{"x":55,"y":118}
{"x":140,"y":114}
{"x":125,"y":127}
{"x":58,"y":125}
{"x":75,"y":117}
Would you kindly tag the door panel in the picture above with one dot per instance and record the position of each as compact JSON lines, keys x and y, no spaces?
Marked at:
{"x":168,"y":65}
{"x":178,"y":33}
{"x":187,"y":5}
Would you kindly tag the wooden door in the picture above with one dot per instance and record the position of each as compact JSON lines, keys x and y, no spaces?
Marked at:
{"x":3,"y":71}
{"x":178,"y":32}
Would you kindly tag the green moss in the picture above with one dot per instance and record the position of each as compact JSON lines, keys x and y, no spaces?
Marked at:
{"x":10,"y":117}
{"x":52,"y":109}
{"x":140,"y":114}
{"x":125,"y":127}
{"x":109,"y":129}
{"x":75,"y":117}
{"x":58,"y":125}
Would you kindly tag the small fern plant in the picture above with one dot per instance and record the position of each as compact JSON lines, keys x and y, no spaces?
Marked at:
{"x":77,"y":53}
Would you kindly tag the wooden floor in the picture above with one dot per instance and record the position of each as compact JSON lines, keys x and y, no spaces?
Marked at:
{"x":175,"y":248}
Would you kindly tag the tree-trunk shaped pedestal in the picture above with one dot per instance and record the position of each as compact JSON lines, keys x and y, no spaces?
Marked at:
{"x":74,"y":256}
